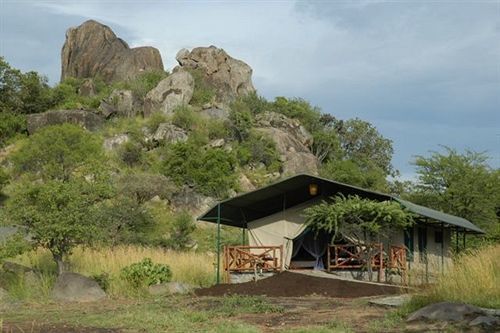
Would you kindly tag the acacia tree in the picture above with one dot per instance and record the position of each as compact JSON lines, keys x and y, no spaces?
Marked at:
{"x":61,"y":185}
{"x":362,"y":220}
{"x":461,"y":184}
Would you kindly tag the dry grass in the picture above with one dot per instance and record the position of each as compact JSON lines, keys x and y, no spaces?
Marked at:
{"x":474,"y":278}
{"x":188,"y":267}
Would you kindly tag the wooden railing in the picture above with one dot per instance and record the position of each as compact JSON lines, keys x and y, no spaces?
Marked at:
{"x":256,"y":259}
{"x":397,"y":261}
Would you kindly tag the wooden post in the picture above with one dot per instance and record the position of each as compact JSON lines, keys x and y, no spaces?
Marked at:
{"x":381,"y":262}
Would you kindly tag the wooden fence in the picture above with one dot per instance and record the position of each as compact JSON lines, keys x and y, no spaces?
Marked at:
{"x":256,"y":259}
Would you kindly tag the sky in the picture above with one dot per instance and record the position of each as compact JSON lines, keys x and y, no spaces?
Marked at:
{"x":425,"y":73}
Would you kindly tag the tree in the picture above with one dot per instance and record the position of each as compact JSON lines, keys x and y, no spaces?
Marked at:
{"x":180,"y":232}
{"x":58,"y":152}
{"x":58,"y":215}
{"x":362,"y":220}
{"x":461,"y":184}
{"x":349,"y":172}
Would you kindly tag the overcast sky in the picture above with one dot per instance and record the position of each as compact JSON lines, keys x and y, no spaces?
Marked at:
{"x":425,"y":73}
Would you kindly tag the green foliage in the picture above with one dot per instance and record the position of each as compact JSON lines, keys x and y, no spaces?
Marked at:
{"x":14,"y":245}
{"x":211,"y":171}
{"x":11,"y":124}
{"x":155,"y":120}
{"x":4,"y":179}
{"x":461,"y":184}
{"x":203,"y":92}
{"x":347,"y":171}
{"x":240,"y":120}
{"x":103,"y":280}
{"x":58,"y":215}
{"x":258,"y":148}
{"x":58,"y":152}
{"x":255,"y":103}
{"x":300,"y":109}
{"x":131,"y":153}
{"x":146,"y":273}
{"x":185,"y":118}
{"x":66,"y":94}
{"x":181,"y":232}
{"x":143,"y":83}
{"x":142,"y":186}
{"x":357,"y":217}
{"x":23,"y":93}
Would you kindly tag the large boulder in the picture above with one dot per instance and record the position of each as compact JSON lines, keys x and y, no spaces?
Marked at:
{"x":291,"y":126}
{"x":121,"y":103}
{"x":73,"y":287}
{"x":231,"y":77}
{"x":173,"y":91}
{"x":83,"y":118}
{"x":186,"y":198}
{"x":93,"y":50}
{"x":446,"y":311}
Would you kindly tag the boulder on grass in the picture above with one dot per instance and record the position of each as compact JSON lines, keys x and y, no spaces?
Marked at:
{"x":170,"y":288}
{"x":73,"y":287}
{"x":446,"y":311}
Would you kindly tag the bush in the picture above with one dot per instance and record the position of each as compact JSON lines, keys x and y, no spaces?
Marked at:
{"x":203,"y":92}
{"x":181,"y":231}
{"x":299,"y":109}
{"x":131,"y":153}
{"x":241,"y":120}
{"x":144,"y":82}
{"x":185,"y":118}
{"x":259,"y":148}
{"x":146,"y":273}
{"x":11,"y":124}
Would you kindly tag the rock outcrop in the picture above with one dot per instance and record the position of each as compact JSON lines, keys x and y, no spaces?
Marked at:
{"x":73,"y":287}
{"x":93,"y":50}
{"x":292,"y":142}
{"x":231,"y":77}
{"x":175,"y":90}
{"x":83,"y":118}
{"x":169,"y":133}
{"x":120,"y":103}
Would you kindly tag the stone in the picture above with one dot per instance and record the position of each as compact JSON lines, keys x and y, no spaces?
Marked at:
{"x":217,"y":143}
{"x":169,"y":133}
{"x":173,"y":91}
{"x":231,"y":78}
{"x":245,"y":184}
{"x":93,"y":50}
{"x":170,"y":288}
{"x":16,"y":268}
{"x":296,"y":163}
{"x":121,"y":103}
{"x":87,"y":89}
{"x":446,"y":311}
{"x":391,"y":301}
{"x":486,"y":321}
{"x":215,"y":113}
{"x":116,"y":141}
{"x":83,"y":118}
{"x":288,"y":125}
{"x":73,"y":287}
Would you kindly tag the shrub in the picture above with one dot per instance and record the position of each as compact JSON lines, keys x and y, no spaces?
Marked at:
{"x":181,"y":231}
{"x":185,"y":118}
{"x":155,"y":120}
{"x":131,"y":153}
{"x":203,"y":92}
{"x":11,"y":124}
{"x":259,"y":148}
{"x":102,"y":280}
{"x":299,"y":109}
{"x":241,"y":120}
{"x":146,"y":273}
{"x":144,"y":82}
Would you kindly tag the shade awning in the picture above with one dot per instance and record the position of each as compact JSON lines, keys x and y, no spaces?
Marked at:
{"x":289,"y":192}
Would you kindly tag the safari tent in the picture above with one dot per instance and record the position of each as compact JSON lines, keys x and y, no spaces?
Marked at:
{"x":278,"y":239}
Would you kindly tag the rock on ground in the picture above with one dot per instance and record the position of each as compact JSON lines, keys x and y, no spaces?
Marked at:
{"x":231,"y":77}
{"x":175,"y":90}
{"x":73,"y":287}
{"x":486,"y":321}
{"x":170,"y":288}
{"x":93,"y":50}
{"x":391,"y":301}
{"x":288,"y":125}
{"x":186,"y":198}
{"x":169,"y":133}
{"x":115,"y":141}
{"x":83,"y":118}
{"x":446,"y":311}
{"x":215,"y":113}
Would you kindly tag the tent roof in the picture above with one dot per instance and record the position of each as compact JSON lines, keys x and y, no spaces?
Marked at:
{"x":250,"y":206}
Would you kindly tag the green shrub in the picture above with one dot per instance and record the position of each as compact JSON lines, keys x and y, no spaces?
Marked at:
{"x":146,"y":273}
{"x":299,"y":109}
{"x":131,"y":153}
{"x":144,"y":82}
{"x":240,"y":120}
{"x":102,"y":280}
{"x":203,"y":92}
{"x":181,"y":232}
{"x":259,"y":148}
{"x":11,"y":124}
{"x":185,"y":118}
{"x":155,"y":120}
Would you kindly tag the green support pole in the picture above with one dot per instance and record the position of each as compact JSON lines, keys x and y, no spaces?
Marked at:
{"x":218,"y":243}
{"x":242,"y":236}
{"x":442,"y":248}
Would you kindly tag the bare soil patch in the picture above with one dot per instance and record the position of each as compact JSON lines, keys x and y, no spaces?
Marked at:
{"x":288,"y":284}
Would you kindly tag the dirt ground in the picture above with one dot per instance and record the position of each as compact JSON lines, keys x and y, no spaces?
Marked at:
{"x":288,"y":284}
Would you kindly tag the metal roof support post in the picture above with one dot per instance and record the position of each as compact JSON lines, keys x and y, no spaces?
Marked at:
{"x":442,"y":248}
{"x":218,"y":243}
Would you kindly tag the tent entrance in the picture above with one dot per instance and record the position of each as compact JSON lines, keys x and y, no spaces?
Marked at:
{"x":310,"y":250}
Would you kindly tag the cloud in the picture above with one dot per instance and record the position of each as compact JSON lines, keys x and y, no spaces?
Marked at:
{"x":424,"y":73}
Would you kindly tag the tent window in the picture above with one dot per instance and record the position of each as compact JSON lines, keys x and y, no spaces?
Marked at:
{"x":410,"y":248}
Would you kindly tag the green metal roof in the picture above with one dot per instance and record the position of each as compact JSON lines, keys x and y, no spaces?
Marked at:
{"x":250,"y":206}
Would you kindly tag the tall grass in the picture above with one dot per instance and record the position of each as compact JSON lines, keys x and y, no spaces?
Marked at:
{"x":188,"y":267}
{"x":474,"y":279}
